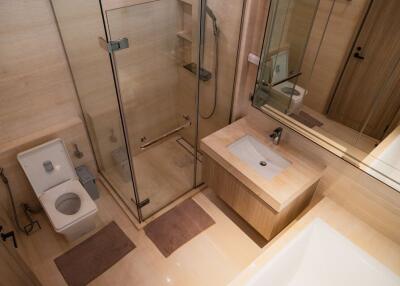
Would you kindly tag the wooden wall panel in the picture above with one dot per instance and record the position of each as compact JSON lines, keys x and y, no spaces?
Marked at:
{"x":36,"y":87}
{"x":339,"y":36}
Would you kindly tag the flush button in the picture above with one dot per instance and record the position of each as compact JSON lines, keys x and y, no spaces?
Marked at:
{"x":48,"y":166}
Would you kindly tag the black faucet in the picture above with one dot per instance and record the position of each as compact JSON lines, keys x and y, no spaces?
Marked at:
{"x":276,"y":135}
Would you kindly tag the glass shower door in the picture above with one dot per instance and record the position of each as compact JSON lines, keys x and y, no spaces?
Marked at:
{"x":151,"y":45}
{"x":80,"y":25}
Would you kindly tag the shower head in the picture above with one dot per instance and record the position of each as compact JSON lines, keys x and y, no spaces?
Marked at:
{"x":211,"y":14}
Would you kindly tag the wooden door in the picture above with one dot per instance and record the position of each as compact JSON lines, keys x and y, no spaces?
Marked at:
{"x":368,"y":91}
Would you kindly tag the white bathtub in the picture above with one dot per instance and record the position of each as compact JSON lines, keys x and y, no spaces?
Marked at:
{"x":320,"y":256}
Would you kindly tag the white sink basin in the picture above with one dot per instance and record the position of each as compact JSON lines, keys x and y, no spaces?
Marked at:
{"x":320,"y":256}
{"x":259,"y":156}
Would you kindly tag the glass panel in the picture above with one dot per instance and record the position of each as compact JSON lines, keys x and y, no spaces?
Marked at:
{"x":160,"y":59}
{"x":90,"y":65}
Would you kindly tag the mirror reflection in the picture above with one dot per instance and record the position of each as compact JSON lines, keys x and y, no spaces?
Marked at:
{"x":340,"y":84}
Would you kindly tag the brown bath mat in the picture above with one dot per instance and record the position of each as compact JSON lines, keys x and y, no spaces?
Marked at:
{"x":306,"y":119}
{"x":95,"y":255}
{"x":177,"y":226}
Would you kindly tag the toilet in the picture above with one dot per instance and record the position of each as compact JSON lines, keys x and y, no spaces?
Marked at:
{"x":52,"y":176}
{"x":284,"y":90}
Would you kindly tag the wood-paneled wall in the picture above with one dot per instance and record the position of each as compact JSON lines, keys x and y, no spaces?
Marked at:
{"x":37,"y":95}
{"x":36,"y":87}
{"x":340,"y":33}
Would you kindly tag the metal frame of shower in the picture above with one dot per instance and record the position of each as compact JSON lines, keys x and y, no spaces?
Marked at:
{"x":195,"y":121}
{"x":122,"y":117}
{"x":199,"y":49}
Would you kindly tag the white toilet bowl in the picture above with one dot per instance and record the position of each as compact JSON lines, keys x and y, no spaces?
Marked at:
{"x":68,"y":206}
{"x":286,"y":92}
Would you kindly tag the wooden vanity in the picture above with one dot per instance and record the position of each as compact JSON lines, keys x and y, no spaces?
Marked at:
{"x":266,"y":204}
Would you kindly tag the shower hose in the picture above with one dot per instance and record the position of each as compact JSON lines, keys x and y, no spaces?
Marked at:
{"x":216,"y":36}
{"x":29,"y":227}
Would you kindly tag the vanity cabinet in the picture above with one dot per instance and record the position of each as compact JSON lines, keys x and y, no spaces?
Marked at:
{"x":267,"y":202}
{"x":267,"y":221}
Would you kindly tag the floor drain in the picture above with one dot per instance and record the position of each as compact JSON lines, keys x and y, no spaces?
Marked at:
{"x":263,"y":163}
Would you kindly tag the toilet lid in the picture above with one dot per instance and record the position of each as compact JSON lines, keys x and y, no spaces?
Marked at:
{"x":47,"y":165}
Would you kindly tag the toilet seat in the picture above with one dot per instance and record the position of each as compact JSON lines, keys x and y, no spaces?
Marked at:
{"x":302,"y":91}
{"x":59,"y":220}
{"x":52,"y":175}
{"x":295,"y":100}
{"x":280,"y":62}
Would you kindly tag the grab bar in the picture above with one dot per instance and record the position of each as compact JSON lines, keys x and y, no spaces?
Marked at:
{"x":154,"y":141}
{"x":281,"y":81}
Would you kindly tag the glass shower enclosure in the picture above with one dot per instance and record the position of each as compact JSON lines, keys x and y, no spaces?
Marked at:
{"x":145,"y":72}
{"x":149,"y":87}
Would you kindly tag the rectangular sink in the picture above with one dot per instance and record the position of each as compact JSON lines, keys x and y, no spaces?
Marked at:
{"x":259,"y":156}
{"x":319,"y":255}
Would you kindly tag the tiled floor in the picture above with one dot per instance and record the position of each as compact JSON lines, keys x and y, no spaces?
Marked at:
{"x":214,"y":257}
{"x":163,"y":173}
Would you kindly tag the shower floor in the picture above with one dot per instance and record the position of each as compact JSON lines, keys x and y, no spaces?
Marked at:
{"x":163,"y":173}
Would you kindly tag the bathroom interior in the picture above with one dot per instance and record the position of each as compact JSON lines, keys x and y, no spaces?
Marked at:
{"x":200,"y":142}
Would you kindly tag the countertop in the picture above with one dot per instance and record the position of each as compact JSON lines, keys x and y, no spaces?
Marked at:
{"x":383,"y":162}
{"x":277,"y":192}
{"x":367,"y":238}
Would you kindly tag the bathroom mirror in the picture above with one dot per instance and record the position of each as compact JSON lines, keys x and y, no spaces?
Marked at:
{"x":336,"y":84}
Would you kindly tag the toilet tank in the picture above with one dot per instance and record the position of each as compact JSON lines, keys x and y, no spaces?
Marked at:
{"x":47,"y":165}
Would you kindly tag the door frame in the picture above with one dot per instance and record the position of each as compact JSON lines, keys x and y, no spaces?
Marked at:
{"x":346,"y":60}
{"x":364,"y":30}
